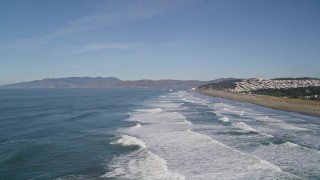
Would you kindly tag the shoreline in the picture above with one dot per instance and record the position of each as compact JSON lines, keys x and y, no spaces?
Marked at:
{"x":306,"y":107}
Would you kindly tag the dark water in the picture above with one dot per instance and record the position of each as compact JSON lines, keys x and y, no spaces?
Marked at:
{"x":151,"y":134}
{"x":51,"y":133}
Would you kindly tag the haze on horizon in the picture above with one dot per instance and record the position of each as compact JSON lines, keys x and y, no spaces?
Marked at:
{"x":160,"y":39}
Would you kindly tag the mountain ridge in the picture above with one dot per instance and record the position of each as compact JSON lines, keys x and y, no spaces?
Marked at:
{"x":108,"y":82}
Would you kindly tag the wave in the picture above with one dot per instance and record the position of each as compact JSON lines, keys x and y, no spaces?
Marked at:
{"x":292,"y":157}
{"x":243,"y":126}
{"x":73,"y":177}
{"x":290,"y":144}
{"x":17,"y":141}
{"x":221,"y":117}
{"x":172,"y":144}
{"x":176,"y":147}
{"x":167,"y":104}
{"x":139,"y":164}
{"x":126,"y":140}
{"x":290,"y":127}
{"x":82,"y":116}
{"x":270,"y":139}
{"x":221,"y":106}
{"x":137,"y":126}
{"x":25,"y":140}
{"x":187,"y":97}
{"x":224,"y":119}
{"x":154,"y":110}
{"x":157,"y":115}
{"x":281,"y":124}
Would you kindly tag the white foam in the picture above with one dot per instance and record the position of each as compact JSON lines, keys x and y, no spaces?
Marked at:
{"x":141,"y":164}
{"x":281,"y":124}
{"x":188,"y":97}
{"x":221,"y":117}
{"x":167,"y":104}
{"x":200,"y":157}
{"x":293,"y":128}
{"x":222,"y":105}
{"x":243,"y":126}
{"x":154,"y":110}
{"x":292,"y":157}
{"x":195,"y":156}
{"x":159,"y":117}
{"x":175,"y":145}
{"x":170,"y":121}
{"x":271,"y":124}
{"x":224,"y":119}
{"x":137,"y":126}
{"x":289,"y":144}
{"x":126,"y":140}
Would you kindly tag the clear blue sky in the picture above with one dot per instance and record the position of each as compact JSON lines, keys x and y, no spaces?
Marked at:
{"x":159,"y":39}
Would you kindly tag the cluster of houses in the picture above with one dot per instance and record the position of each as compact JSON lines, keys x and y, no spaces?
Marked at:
{"x":255,"y":84}
{"x":316,"y":96}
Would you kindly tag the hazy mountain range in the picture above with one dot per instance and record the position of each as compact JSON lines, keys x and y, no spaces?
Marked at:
{"x":108,"y":82}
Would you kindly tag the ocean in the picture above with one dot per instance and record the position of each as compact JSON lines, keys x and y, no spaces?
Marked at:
{"x":73,"y":134}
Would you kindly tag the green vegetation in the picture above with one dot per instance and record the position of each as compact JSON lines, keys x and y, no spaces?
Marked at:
{"x":302,"y":92}
{"x":228,"y":84}
{"x":301,"y":78}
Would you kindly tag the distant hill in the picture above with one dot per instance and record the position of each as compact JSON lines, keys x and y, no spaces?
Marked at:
{"x":228,"y":83}
{"x":302,"y":88}
{"x":107,"y":82}
{"x":70,"y":82}
{"x":299,"y":78}
{"x":253,"y":84}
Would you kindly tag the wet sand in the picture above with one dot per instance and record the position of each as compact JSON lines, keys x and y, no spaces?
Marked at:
{"x":302,"y":106}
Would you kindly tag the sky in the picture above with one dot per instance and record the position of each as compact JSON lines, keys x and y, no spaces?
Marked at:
{"x":159,"y":39}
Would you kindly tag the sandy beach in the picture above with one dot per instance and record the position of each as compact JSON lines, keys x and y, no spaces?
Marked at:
{"x":302,"y":106}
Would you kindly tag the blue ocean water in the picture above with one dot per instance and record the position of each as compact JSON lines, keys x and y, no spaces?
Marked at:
{"x":151,"y":134}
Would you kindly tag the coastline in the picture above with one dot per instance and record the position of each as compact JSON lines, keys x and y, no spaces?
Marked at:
{"x":306,"y":107}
